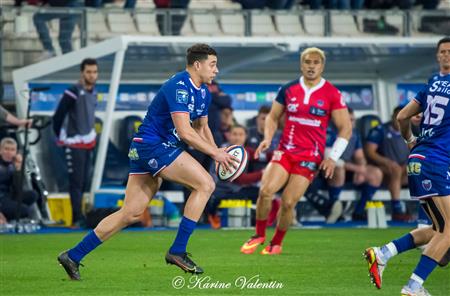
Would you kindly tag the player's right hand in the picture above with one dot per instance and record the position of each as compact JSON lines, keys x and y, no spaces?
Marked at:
{"x":227,"y":160}
{"x":263,"y":146}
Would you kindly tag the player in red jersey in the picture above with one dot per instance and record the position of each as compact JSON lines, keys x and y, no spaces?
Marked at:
{"x":308,"y":104}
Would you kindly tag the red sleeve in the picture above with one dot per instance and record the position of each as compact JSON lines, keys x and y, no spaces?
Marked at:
{"x":250,"y":153}
{"x":337,"y":100}
{"x":249,"y":178}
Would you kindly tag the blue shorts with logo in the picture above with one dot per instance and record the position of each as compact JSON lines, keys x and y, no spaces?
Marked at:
{"x":150,"y":158}
{"x":427,"y":178}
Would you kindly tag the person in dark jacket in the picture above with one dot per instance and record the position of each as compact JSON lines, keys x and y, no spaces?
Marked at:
{"x":10,"y":166}
{"x":73,"y":124}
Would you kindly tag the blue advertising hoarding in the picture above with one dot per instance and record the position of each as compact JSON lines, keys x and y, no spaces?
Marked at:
{"x":407,"y":91}
{"x":245,"y":96}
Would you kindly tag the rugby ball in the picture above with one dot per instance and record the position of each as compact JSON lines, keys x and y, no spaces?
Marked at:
{"x":238,"y":152}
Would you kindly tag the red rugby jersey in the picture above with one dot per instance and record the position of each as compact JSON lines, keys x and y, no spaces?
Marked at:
{"x":307,"y":113}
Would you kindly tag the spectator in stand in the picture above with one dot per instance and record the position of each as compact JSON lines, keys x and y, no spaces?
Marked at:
{"x":386,"y":149}
{"x":7,"y":117}
{"x":128,"y":4}
{"x":255,"y":137}
{"x":280,"y":4}
{"x":10,"y":166}
{"x":219,"y":101}
{"x":226,"y":123}
{"x":402,"y":4}
{"x":251,"y":4}
{"x":67,"y":23}
{"x":177,"y":20}
{"x":244,"y":187}
{"x":353,"y":164}
{"x":261,"y":4}
{"x":336,"y":4}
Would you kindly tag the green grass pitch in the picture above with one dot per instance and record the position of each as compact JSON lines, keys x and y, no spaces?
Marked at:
{"x":314,"y":262}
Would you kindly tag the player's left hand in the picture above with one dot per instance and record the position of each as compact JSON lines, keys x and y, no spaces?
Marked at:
{"x":327,"y":166}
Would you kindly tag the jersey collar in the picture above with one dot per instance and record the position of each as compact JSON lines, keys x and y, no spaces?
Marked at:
{"x":309,"y":91}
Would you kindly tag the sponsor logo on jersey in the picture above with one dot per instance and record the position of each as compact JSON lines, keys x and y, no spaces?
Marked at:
{"x":448,"y":175}
{"x":181,"y":82}
{"x":153,"y":163}
{"x":133,"y":154}
{"x":293,"y":99}
{"x":292,"y":107}
{"x":320,"y":103}
{"x":317,"y":111}
{"x":414,"y":168}
{"x":181,"y":96}
{"x":426,"y":133}
{"x":203,"y":91}
{"x":191,"y":107}
{"x":200,"y":111}
{"x":305,"y":121}
{"x":426,"y":184}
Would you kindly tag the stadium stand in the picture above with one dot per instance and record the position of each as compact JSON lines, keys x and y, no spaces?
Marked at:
{"x":260,"y":61}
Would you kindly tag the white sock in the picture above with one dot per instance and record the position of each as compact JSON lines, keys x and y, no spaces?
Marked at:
{"x":388,"y":251}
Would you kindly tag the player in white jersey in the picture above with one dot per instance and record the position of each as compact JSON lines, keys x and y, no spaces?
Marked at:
{"x":428,"y":176}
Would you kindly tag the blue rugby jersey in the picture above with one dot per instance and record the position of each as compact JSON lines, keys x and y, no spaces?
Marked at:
{"x":434,"y":138}
{"x":178,"y":94}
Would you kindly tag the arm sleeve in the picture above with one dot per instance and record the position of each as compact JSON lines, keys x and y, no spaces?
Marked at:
{"x":375,"y":135}
{"x":337,"y":100}
{"x":421,"y":97}
{"x":281,"y":96}
{"x":65,"y":104}
{"x":177,"y":98}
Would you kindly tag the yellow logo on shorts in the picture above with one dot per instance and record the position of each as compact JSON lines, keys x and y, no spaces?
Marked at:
{"x":414,"y":168}
{"x":132,"y":154}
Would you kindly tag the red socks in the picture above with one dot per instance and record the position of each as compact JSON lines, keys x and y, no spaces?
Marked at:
{"x":278,"y":236}
{"x":261,"y":227}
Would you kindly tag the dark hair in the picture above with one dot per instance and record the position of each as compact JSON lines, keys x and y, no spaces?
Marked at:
{"x":237,"y":125}
{"x":397,"y":109}
{"x":199,"y":52}
{"x":87,"y":61}
{"x":350,"y":110}
{"x":443,"y":40}
{"x":264,"y":109}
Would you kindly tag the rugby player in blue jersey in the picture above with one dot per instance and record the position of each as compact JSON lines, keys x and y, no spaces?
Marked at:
{"x":177,"y":117}
{"x":428,"y":177}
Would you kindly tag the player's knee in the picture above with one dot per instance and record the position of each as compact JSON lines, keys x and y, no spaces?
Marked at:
{"x":374,"y":176}
{"x":266,"y":193}
{"x":207,"y":185}
{"x":287,"y":205}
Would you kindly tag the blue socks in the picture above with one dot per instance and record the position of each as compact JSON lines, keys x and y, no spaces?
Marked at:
{"x":334,"y":192}
{"x":185,"y":230}
{"x":89,"y":243}
{"x":424,"y":268}
{"x":397,"y":246}
{"x":367,"y":193}
{"x":404,"y":243}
